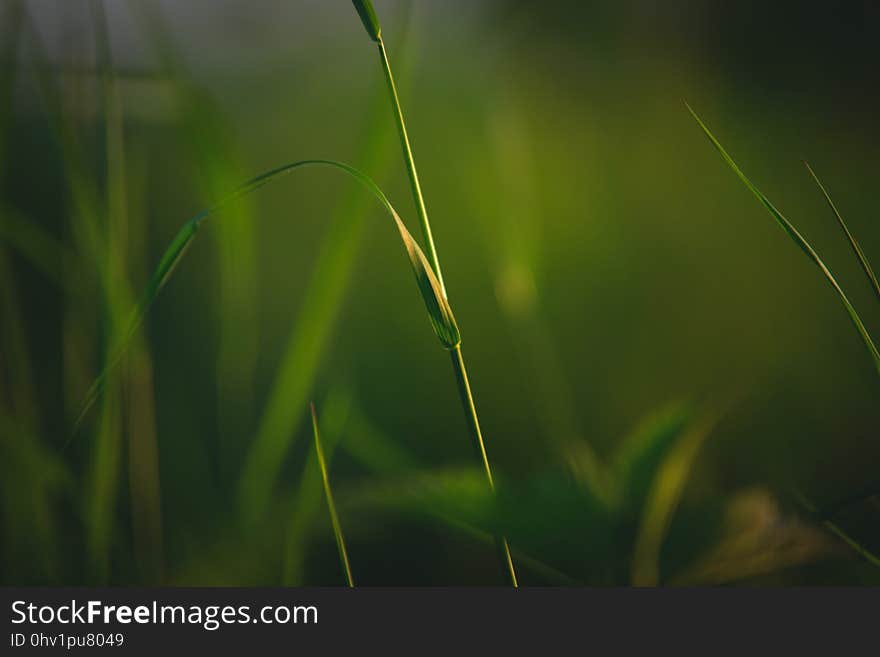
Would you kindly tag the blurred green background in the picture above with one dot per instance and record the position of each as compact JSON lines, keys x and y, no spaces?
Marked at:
{"x":622,"y":297}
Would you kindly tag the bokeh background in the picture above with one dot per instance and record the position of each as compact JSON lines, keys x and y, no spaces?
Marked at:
{"x":623,"y":299}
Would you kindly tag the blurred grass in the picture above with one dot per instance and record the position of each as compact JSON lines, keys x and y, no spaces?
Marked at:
{"x":590,"y":235}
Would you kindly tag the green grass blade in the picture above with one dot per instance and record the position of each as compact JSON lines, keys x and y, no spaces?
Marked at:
{"x":437,"y":305}
{"x":798,"y":239}
{"x":368,"y":18}
{"x":306,"y":501}
{"x":331,"y":506}
{"x":665,"y":495}
{"x":857,"y":249}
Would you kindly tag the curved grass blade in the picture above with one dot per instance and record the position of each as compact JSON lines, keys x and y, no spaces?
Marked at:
{"x":331,"y":506}
{"x":863,"y":261}
{"x":798,"y":239}
{"x":435,"y":300}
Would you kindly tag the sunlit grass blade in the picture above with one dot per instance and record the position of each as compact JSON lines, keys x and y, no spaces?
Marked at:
{"x":208,"y":140}
{"x":637,"y":460}
{"x":331,"y":506}
{"x":857,"y":249}
{"x":798,"y":239}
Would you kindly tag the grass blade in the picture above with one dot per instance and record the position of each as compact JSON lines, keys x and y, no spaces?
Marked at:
{"x":306,"y":500}
{"x":863,"y":261}
{"x":331,"y":506}
{"x":368,"y":18}
{"x":798,"y":239}
{"x":432,"y":295}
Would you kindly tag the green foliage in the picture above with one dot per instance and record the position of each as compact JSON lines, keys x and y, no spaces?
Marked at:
{"x":641,"y":454}
{"x":799,"y":240}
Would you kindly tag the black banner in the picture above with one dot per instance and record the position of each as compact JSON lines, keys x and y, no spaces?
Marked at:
{"x":132,"y":621}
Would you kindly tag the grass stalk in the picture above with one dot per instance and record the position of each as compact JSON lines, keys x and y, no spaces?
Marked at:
{"x":797,"y":238}
{"x":331,"y":506}
{"x":371,"y":24}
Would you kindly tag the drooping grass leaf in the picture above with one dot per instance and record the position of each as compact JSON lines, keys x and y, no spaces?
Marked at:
{"x":331,"y":506}
{"x":435,"y":300}
{"x":798,"y":239}
{"x":863,"y":261}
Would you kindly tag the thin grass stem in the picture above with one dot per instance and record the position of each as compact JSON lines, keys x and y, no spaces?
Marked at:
{"x":797,"y":238}
{"x":857,"y":249}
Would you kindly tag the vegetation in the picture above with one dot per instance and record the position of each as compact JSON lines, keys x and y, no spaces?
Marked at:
{"x":598,"y":272}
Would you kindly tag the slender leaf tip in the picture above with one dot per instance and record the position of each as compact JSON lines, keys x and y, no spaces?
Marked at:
{"x":368,"y":18}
